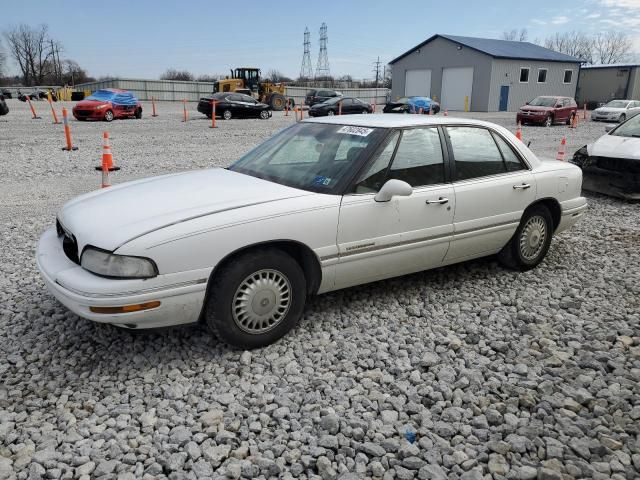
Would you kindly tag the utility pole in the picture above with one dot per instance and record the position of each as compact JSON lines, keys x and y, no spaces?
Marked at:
{"x":376,"y":70}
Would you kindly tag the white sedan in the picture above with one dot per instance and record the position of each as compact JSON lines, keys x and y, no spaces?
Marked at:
{"x":324,"y":204}
{"x":616,"y":111}
{"x":611,"y":164}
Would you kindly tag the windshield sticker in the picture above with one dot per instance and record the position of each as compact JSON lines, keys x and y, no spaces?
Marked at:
{"x":321,"y":180}
{"x":360,"y":131}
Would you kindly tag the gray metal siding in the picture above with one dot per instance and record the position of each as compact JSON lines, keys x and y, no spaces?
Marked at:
{"x":441,"y":53}
{"x":507,"y":72}
{"x":634,"y":84}
{"x":604,"y":84}
{"x":159,"y":89}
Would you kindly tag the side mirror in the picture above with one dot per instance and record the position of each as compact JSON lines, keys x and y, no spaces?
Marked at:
{"x":393,"y":188}
{"x":526,"y":103}
{"x":608,"y":128}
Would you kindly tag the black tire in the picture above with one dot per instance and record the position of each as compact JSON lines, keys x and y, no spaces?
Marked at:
{"x":548,"y":122}
{"x":138,"y":113}
{"x":622,"y":119}
{"x":223,"y":295}
{"x":277,"y":102}
{"x":570,"y":119}
{"x":513,"y":255}
{"x":264,"y":114}
{"x":108,"y":116}
{"x":226,"y":114}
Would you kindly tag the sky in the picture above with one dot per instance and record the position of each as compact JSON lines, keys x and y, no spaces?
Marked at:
{"x":143,"y":38}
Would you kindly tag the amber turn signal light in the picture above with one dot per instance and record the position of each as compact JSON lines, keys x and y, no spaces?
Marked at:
{"x":126,"y":308}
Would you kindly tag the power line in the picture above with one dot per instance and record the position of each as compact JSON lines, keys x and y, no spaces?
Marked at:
{"x":376,"y":70}
{"x":306,"y":71}
{"x":322,"y":69}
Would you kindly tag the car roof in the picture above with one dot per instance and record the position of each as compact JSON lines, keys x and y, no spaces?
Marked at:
{"x":396,"y":121}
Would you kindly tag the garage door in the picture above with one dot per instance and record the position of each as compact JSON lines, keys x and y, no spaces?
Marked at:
{"x":457,"y":83}
{"x":417,"y":83}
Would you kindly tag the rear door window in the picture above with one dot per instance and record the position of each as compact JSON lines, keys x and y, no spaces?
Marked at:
{"x":475,"y":153}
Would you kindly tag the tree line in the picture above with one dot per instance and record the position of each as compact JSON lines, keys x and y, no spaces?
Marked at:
{"x":38,"y":56}
{"x":602,"y":48}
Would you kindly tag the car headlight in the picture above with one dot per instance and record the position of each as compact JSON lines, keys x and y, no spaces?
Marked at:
{"x":108,"y":264}
{"x":100,"y":107}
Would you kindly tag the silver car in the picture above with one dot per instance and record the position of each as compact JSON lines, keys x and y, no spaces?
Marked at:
{"x":616,"y":111}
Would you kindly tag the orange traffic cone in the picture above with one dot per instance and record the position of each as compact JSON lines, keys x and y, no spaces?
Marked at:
{"x":562,"y":150}
{"x":519,"y":132}
{"x":107,"y":157}
{"x":574,"y":121}
{"x":106,"y":182}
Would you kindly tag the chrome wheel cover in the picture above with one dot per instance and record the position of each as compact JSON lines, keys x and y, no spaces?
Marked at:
{"x":548,"y":121}
{"x":261,"y":301}
{"x":226,"y":115}
{"x":533,"y":237}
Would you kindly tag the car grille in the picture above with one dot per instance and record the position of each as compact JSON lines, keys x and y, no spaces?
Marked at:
{"x":69,"y":243}
{"x":83,"y":113}
{"x":624,"y":165}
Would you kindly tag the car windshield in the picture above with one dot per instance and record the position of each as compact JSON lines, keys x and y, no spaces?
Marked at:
{"x":310,"y":156}
{"x":630,"y":128}
{"x":617,"y":104}
{"x":543,"y":102}
{"x":102,"y":95}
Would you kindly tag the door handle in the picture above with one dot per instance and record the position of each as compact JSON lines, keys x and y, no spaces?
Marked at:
{"x":440,"y":201}
{"x":524,"y":186}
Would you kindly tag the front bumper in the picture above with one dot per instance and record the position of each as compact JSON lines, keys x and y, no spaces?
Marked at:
{"x":531,"y":118}
{"x":605,"y":117}
{"x":87,"y":114}
{"x":181,"y":295}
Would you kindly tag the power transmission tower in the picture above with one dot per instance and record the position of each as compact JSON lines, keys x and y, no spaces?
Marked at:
{"x":376,"y":70}
{"x":306,"y":72}
{"x":322,"y":69}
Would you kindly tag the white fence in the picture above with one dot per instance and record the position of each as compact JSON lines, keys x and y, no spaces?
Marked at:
{"x":174,"y":90}
{"x":171,"y":90}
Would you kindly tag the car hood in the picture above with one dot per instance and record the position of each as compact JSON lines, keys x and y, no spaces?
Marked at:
{"x":111,"y":217}
{"x":90,"y":103}
{"x":532,"y":108}
{"x":609,"y":110}
{"x":616,"y":147}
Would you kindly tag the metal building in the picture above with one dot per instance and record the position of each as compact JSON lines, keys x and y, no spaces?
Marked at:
{"x":481,"y":74}
{"x":601,"y":83}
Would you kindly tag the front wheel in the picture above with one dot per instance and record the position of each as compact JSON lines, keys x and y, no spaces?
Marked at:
{"x":529,"y":245}
{"x":108,"y":116}
{"x":264,"y":114}
{"x":548,"y":121}
{"x":227,"y":115}
{"x":623,"y":118}
{"x":138,"y":114}
{"x":256,"y":298}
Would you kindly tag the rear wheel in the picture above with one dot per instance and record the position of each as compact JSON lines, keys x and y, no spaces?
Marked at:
{"x":277,"y":102}
{"x":108,"y":116}
{"x":330,"y":113}
{"x":529,"y":245}
{"x":256,"y":298}
{"x":227,"y":114}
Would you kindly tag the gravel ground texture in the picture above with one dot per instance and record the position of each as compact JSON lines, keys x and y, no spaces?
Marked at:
{"x":496,"y":374}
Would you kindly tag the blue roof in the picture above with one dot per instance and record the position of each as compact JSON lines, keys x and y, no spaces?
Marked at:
{"x":501,"y":49}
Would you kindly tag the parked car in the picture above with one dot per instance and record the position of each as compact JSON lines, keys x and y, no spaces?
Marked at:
{"x":547,"y":110}
{"x":616,"y":111}
{"x":322,"y":205}
{"x":4,"y":109}
{"x":611,"y":165}
{"x":35,"y":95}
{"x":234,"y":105}
{"x":412,"y":105}
{"x":107,"y":105}
{"x":320,"y":96}
{"x":6,"y":93}
{"x":350,"y":105}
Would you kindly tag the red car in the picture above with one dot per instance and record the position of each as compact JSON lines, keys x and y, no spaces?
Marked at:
{"x":108,"y":104}
{"x":547,"y":111}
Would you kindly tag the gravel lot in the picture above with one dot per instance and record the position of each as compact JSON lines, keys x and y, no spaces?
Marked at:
{"x":499,"y":375}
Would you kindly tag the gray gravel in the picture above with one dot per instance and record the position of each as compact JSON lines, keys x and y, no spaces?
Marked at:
{"x":499,"y":375}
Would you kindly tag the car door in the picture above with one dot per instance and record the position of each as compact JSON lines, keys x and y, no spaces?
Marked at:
{"x":379,"y":240}
{"x":250,"y":106}
{"x":347,"y":106}
{"x":235,"y":105}
{"x":493,"y":186}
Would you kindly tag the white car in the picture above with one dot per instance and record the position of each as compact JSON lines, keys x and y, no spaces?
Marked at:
{"x":616,"y":111}
{"x":611,"y":165}
{"x":324,"y":204}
